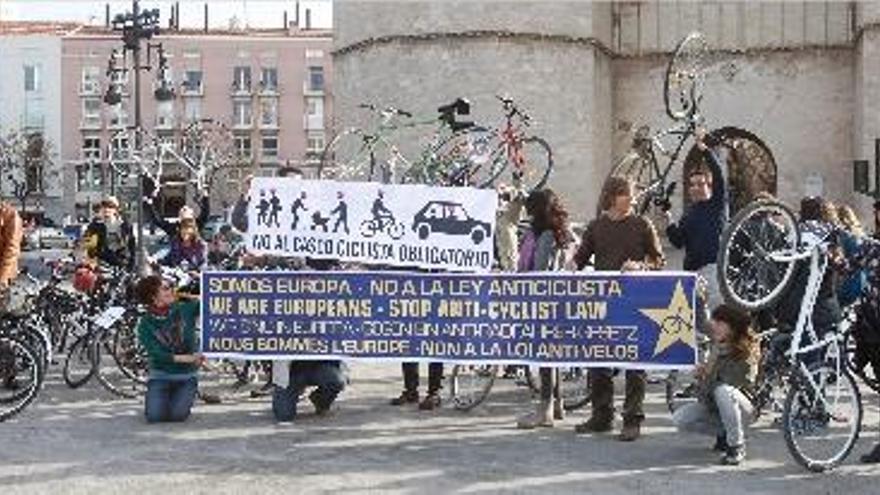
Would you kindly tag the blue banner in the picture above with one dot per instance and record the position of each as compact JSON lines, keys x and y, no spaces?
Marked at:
{"x":634,"y":320}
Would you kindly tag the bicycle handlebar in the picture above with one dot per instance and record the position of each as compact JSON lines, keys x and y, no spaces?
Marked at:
{"x":513,"y":110}
{"x":388,"y":110}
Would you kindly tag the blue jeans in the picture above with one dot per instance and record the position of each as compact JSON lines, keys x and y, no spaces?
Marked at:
{"x":169,"y":399}
{"x":328,"y":377}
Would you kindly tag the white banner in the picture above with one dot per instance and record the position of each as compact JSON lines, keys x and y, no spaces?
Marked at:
{"x":449,"y":228}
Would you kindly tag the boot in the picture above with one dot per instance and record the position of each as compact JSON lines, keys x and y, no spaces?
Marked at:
{"x":631,"y":431}
{"x":543,"y":416}
{"x":596,"y":424}
{"x":558,"y":410}
{"x":872,"y":457}
{"x":430,"y":402}
{"x":406,"y":397}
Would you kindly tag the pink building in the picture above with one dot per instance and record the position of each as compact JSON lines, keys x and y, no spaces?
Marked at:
{"x":271,"y":88}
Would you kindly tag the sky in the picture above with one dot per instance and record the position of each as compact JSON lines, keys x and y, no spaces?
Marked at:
{"x":251,"y":13}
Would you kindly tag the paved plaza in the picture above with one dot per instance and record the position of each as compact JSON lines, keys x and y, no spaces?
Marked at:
{"x":82,"y":441}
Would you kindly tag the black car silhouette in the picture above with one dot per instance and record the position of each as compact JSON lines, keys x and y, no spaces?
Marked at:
{"x":450,"y":218}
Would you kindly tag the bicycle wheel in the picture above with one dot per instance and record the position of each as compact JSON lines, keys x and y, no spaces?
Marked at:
{"x":108,"y":372}
{"x":754,"y":259}
{"x":574,"y":388}
{"x":644,"y":175}
{"x":21,"y":376}
{"x":460,"y":159}
{"x":822,"y":417}
{"x":469,"y":385}
{"x":129,"y":356}
{"x":395,"y":230}
{"x":78,"y":366}
{"x":359,"y":157}
{"x":682,"y":86}
{"x":530,"y":167}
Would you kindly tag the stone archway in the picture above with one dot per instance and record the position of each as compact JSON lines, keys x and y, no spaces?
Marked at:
{"x":750,"y":168}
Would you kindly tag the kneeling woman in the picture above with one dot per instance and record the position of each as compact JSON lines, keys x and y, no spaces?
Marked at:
{"x":167,"y":332}
{"x":724,"y":407}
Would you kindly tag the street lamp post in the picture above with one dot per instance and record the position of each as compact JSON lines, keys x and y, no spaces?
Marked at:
{"x":136,"y":26}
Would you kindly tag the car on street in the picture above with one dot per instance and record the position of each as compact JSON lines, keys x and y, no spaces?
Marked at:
{"x":43,"y":237}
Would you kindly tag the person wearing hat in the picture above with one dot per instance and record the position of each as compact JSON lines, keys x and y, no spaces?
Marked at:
{"x":109,"y":238}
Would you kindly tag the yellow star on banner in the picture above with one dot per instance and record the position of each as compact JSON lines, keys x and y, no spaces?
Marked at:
{"x":675,"y":321}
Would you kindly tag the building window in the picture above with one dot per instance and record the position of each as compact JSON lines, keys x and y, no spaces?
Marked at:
{"x":165,"y":114}
{"x":33,"y":113}
{"x":241,"y":79}
{"x":119,"y":79}
{"x":269,"y":112}
{"x":119,"y":115}
{"x":315,"y":107}
{"x":315,"y":143}
{"x":316,"y":78}
{"x":31,"y":78}
{"x":243,"y":147}
{"x":91,"y":148}
{"x":192,"y":82}
{"x":269,"y":79}
{"x":89,"y":177}
{"x":119,"y":147}
{"x":192,"y":109}
{"x":91,"y":112}
{"x":91,"y":80}
{"x":242,"y":113}
{"x":269,"y":147}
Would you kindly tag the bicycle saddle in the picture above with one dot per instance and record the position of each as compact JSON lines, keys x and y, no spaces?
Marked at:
{"x":460,"y":106}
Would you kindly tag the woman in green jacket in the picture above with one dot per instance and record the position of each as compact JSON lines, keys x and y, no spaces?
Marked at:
{"x":167,"y":332}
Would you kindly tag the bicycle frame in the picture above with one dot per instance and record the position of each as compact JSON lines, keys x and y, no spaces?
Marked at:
{"x":646,"y":146}
{"x":818,"y":265}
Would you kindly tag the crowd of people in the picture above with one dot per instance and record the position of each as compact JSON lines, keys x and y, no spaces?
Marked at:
{"x":617,"y":239}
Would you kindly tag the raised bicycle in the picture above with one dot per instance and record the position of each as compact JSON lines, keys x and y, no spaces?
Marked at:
{"x":822,"y":412}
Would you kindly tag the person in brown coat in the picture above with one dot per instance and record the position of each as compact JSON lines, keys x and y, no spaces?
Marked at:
{"x":11,"y":232}
{"x":618,"y":239}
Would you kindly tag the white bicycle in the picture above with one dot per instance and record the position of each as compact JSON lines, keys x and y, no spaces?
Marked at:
{"x":822,"y":412}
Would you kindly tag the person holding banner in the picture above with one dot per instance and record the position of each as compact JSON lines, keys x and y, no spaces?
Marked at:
{"x":724,"y":407}
{"x":167,"y":333}
{"x":618,"y":240}
{"x":543,"y":249}
{"x":292,"y":378}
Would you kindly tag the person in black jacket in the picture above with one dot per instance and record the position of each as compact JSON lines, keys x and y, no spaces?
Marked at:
{"x":109,"y":238}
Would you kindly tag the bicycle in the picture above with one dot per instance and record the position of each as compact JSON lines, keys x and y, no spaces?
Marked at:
{"x":470,"y":385}
{"x":757,"y":258}
{"x":386,"y":224}
{"x":356,"y":154}
{"x":506,"y":155}
{"x":682,"y":94}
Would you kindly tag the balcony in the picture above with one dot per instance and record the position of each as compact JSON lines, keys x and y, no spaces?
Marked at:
{"x":90,"y":88}
{"x":269,"y":90}
{"x":313,"y":122}
{"x":90,"y":122}
{"x":312,"y":89}
{"x":240,"y":90}
{"x":187,"y":89}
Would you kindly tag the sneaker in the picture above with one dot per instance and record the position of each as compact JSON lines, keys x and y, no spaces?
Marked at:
{"x":406,"y":397}
{"x":630,"y":432}
{"x":594,"y":425}
{"x":431,"y":402}
{"x":720,"y":444}
{"x":734,"y":455}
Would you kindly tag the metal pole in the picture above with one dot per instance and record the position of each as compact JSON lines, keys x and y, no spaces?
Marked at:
{"x":137,"y":142}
